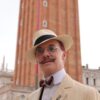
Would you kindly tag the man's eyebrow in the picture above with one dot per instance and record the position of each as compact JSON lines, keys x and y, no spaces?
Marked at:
{"x":39,"y":47}
{"x":51,"y":45}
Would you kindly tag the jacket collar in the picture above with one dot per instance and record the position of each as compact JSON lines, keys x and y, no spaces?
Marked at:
{"x":64,"y":88}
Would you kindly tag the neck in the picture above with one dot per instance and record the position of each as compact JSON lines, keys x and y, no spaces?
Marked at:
{"x":50,"y":74}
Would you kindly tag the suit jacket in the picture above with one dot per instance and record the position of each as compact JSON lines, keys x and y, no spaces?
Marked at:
{"x":70,"y":90}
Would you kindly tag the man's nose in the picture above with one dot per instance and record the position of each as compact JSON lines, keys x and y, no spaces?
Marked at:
{"x":46,"y":52}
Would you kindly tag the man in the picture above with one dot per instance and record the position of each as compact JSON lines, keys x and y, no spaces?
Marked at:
{"x":49,"y":52}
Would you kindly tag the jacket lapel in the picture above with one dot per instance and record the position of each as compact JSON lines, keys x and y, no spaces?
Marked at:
{"x":64,"y":89}
{"x":34,"y":95}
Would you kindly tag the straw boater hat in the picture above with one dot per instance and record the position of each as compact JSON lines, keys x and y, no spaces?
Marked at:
{"x":45,"y":35}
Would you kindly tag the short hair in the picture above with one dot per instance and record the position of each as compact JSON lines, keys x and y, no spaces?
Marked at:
{"x":61,"y":45}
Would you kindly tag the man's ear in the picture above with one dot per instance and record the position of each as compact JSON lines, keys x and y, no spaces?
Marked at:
{"x":64,"y":55}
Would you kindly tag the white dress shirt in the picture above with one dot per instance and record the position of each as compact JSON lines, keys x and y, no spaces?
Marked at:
{"x":50,"y":90}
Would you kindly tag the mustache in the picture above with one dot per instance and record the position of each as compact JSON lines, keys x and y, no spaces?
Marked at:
{"x":47,"y":59}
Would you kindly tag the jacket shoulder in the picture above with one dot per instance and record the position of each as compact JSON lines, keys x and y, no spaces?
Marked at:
{"x":89,"y":92}
{"x":34,"y":95}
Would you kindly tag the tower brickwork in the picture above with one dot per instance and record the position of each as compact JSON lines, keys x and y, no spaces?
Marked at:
{"x":60,"y":16}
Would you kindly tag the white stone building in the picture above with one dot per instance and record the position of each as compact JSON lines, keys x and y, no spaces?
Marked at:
{"x":7,"y":91}
{"x":5,"y":85}
{"x":91,"y":77}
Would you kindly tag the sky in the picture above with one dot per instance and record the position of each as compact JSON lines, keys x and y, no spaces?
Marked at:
{"x":89,"y":20}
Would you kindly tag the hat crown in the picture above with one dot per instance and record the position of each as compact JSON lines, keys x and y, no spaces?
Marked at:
{"x":41,"y":33}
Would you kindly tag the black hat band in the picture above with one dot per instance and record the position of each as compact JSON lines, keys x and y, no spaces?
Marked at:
{"x":43,"y":38}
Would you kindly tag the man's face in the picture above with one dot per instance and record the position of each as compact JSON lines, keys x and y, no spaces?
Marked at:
{"x":50,"y":57}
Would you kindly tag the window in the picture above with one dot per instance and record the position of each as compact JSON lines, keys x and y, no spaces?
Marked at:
{"x":45,"y":3}
{"x":87,"y":80}
{"x":22,"y":97}
{"x":45,"y":23}
{"x":94,"y":81}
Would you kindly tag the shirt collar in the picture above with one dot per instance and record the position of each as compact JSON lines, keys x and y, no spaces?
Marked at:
{"x":58,"y":76}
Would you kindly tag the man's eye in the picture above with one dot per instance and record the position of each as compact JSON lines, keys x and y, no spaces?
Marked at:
{"x":51,"y":48}
{"x":39,"y":50}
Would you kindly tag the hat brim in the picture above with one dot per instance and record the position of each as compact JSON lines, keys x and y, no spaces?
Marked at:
{"x":65,"y":39}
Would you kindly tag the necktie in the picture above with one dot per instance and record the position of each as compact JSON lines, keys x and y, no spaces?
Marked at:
{"x":43,"y":84}
{"x":48,"y":82}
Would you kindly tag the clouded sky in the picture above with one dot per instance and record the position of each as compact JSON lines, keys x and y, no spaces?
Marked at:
{"x":89,"y":17}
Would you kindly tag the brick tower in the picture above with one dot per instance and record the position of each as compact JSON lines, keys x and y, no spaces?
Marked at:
{"x":60,"y":16}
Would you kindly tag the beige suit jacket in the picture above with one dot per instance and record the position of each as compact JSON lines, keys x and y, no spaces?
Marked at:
{"x":70,"y":90}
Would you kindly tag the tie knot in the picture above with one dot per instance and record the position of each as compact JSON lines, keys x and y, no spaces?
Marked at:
{"x":46,"y":82}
